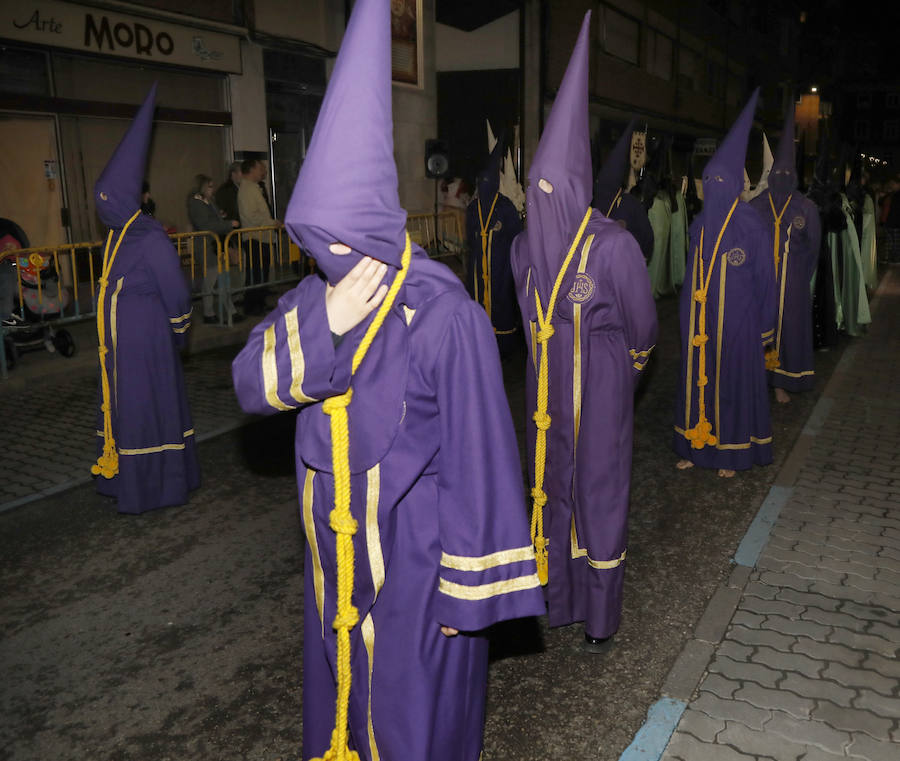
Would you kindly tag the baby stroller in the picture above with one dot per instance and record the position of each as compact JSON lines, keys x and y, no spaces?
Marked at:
{"x":41,"y":298}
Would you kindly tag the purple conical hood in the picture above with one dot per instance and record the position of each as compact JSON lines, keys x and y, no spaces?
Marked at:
{"x":117,"y":192}
{"x":612,"y":173}
{"x":346,"y":191}
{"x":783,"y":175}
{"x":563,"y":158}
{"x":723,"y":175}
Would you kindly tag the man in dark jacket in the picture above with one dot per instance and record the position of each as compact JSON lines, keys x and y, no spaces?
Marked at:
{"x":226,"y":195}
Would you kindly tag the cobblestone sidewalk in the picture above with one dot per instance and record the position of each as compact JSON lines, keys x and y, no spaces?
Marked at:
{"x":798,"y":654}
{"x":48,"y":431}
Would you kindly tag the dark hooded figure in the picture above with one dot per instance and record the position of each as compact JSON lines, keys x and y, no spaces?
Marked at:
{"x":590,"y":325}
{"x":727,"y":316}
{"x":796,"y":230}
{"x":410,"y":481}
{"x":611,"y":199}
{"x":145,"y":435}
{"x":491,"y":224}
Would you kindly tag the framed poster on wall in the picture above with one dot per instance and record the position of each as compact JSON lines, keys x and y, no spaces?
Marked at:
{"x":406,"y":43}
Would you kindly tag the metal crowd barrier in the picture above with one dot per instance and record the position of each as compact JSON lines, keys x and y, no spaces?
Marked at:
{"x":56,"y":285}
{"x":260,"y":257}
{"x":441,"y":235}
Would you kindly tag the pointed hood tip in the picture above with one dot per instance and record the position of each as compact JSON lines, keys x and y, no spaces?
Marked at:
{"x":347,"y":190}
{"x":566,"y":139}
{"x":117,"y":192}
{"x":611,"y":175}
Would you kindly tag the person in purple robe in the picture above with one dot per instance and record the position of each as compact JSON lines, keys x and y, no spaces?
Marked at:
{"x":613,"y":201}
{"x":411,"y":487}
{"x":727,"y":317}
{"x":492,"y":222}
{"x":146,"y":451}
{"x":590,"y":324}
{"x":796,"y":230}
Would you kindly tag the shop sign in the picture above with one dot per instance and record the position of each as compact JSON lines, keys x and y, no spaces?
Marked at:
{"x":96,"y":30}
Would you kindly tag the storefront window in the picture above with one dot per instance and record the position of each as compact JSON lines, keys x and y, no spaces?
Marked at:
{"x":23,"y":72}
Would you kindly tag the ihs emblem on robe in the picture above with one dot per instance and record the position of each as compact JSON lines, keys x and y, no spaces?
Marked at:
{"x":799,"y":223}
{"x":736,"y":257}
{"x":498,"y":226}
{"x":582,"y":289}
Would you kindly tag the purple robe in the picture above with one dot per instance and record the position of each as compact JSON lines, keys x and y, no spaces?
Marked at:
{"x":436,"y":484}
{"x":436,"y":489}
{"x":147,"y":313}
{"x":502,"y":226}
{"x":721,"y":415}
{"x":740,"y":321}
{"x":798,"y":243}
{"x":605,"y":326}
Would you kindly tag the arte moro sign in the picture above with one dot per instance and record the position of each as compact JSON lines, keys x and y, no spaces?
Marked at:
{"x":131,"y":36}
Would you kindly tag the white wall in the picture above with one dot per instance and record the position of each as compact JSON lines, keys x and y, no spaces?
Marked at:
{"x":493,"y":46}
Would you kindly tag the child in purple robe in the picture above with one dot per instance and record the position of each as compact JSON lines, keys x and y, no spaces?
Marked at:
{"x":411,"y":493}
{"x":794,"y":221}
{"x":727,"y":316}
{"x":590,"y":324}
{"x":147,"y":456}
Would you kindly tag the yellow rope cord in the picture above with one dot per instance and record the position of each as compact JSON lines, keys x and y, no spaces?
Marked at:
{"x":772,"y":359}
{"x":107,"y":464}
{"x":345,"y":526}
{"x":613,"y":204}
{"x":485,"y":255}
{"x":541,"y":418}
{"x":701,"y":434}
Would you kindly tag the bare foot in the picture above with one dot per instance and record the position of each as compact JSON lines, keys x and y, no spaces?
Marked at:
{"x":684,"y":464}
{"x":725,"y":473}
{"x":782,"y":396}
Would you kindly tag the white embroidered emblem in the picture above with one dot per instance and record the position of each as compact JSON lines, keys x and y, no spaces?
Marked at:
{"x":799,"y":223}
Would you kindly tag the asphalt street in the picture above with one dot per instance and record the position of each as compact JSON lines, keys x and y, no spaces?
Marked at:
{"x":177,"y":634}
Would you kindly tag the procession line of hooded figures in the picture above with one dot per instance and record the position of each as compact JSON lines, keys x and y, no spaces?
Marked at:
{"x":411,"y":495}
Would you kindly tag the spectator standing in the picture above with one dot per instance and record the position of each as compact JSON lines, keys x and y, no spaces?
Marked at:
{"x":227,"y":194}
{"x":205,"y":215}
{"x":254,"y":212}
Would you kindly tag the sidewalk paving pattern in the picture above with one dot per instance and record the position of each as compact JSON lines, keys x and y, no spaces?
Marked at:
{"x":48,"y":435}
{"x":801,"y":651}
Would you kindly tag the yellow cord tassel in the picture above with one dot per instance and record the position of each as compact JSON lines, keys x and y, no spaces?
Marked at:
{"x":345,"y":526}
{"x":541,"y":419}
{"x":486,"y":253}
{"x":701,"y":434}
{"x":107,"y":464}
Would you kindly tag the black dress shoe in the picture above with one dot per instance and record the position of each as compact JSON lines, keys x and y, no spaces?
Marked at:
{"x":210,"y":320}
{"x":597,"y":644}
{"x":236,"y":318}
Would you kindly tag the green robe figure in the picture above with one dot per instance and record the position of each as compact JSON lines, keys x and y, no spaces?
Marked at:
{"x":660,"y":215}
{"x":850,"y":289}
{"x":678,"y":241}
